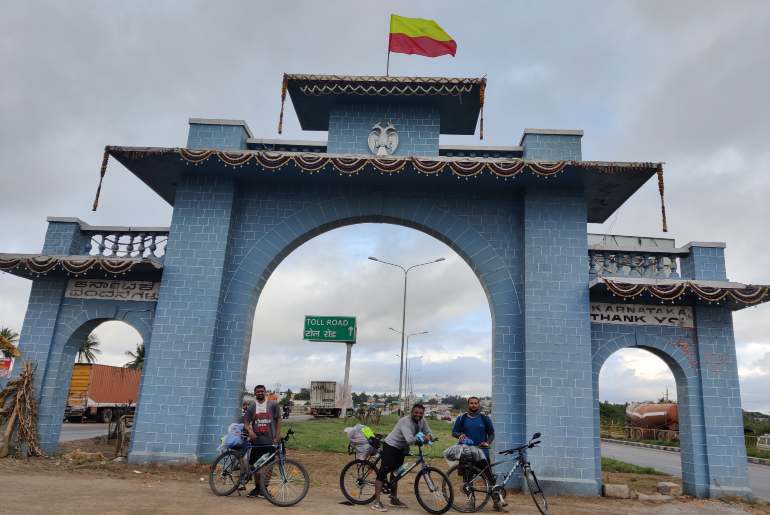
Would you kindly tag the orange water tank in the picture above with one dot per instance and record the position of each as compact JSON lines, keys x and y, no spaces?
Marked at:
{"x":653,"y":416}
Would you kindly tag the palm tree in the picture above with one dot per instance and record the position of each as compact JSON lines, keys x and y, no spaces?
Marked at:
{"x":10,"y":335}
{"x":137,"y":360}
{"x":88,"y":349}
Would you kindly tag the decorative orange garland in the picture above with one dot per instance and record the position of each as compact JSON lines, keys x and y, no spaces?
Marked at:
{"x":284,"y":87}
{"x":481,"y":100}
{"x":101,"y":176}
{"x":660,"y":188}
{"x":749,"y":295}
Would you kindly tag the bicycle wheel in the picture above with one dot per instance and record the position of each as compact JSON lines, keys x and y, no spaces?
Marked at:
{"x":471,"y":493}
{"x":357,"y":481}
{"x":285,"y":489}
{"x":225,"y":473}
{"x":536,"y":491}
{"x":433,"y":490}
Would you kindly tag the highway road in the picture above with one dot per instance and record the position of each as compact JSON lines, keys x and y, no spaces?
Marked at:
{"x":72,"y":431}
{"x":671,"y":463}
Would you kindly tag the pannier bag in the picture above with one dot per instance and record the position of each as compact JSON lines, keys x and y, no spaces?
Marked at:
{"x":233,"y":438}
{"x":360,"y":441}
{"x":461,"y":452}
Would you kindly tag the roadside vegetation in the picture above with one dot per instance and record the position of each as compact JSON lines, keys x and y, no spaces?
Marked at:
{"x":327,"y":435}
{"x":610,"y":465}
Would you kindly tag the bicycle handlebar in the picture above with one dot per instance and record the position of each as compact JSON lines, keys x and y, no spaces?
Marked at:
{"x":519,"y":449}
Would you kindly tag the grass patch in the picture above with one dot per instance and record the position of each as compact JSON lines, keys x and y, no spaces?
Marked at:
{"x":757,"y":454}
{"x":610,"y":465}
{"x":327,"y":435}
{"x":653,"y":442}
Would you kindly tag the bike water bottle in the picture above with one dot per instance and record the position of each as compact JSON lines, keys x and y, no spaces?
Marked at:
{"x":400,"y":470}
{"x":262,"y":459}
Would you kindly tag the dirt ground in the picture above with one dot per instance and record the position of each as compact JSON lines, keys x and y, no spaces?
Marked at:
{"x":46,"y":485}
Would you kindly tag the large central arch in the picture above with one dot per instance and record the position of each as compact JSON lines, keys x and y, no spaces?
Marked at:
{"x":249,"y":277}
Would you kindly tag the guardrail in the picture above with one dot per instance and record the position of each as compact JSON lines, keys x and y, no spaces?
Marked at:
{"x":751,"y":441}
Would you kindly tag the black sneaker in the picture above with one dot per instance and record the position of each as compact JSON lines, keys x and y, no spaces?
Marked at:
{"x":255,"y":493}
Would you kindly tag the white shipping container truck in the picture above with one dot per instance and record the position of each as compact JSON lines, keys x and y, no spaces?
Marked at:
{"x":328,"y":400}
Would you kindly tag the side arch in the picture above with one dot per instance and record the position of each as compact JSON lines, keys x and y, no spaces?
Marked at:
{"x":246,"y":281}
{"x":695,"y":476}
{"x":76,"y":320}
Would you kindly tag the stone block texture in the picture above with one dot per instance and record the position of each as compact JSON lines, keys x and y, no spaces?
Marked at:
{"x":528,"y":250}
{"x":226,"y":241}
{"x":53,"y":330}
{"x":64,"y":238}
{"x":219,"y":137}
{"x":704,"y":263}
{"x":710,"y":420}
{"x":176,"y":376}
{"x":558,"y":147}
{"x":557,"y":346}
{"x":417,"y":127}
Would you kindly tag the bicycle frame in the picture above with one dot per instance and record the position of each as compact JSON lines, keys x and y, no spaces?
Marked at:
{"x":420,"y":461}
{"x":520,"y":459}
{"x":278,"y":451}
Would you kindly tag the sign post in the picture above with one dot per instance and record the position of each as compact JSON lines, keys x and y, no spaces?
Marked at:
{"x":333,"y":329}
{"x":344,"y":412}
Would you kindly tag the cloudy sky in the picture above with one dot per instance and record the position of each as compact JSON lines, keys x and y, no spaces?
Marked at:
{"x":680,"y":82}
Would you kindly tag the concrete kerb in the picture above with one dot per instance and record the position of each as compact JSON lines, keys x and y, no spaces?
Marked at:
{"x":749,"y":459}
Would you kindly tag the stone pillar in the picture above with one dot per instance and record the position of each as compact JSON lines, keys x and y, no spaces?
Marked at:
{"x":557,"y":354}
{"x":552,"y":144}
{"x":63,"y":237}
{"x":706,"y":262}
{"x":37,"y":340}
{"x":723,"y":416}
{"x":218,"y":134}
{"x":172,"y":396}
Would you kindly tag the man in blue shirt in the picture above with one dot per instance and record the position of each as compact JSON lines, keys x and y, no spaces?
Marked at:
{"x":477,"y":427}
{"x":474,"y":425}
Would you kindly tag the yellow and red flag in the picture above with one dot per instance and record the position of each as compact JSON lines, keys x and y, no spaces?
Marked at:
{"x":418,"y":36}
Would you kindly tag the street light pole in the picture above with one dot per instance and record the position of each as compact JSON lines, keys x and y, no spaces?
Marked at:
{"x":408,"y":381}
{"x":406,"y":357}
{"x":403,"y":319}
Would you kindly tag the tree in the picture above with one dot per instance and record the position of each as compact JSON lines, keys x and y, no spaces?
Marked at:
{"x":10,"y":335}
{"x":286,"y":401}
{"x":303,"y":395}
{"x":612,"y":414}
{"x":137,"y":361}
{"x":88,"y":350}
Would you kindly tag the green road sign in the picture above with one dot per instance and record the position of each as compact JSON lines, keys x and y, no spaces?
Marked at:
{"x":330,"y":329}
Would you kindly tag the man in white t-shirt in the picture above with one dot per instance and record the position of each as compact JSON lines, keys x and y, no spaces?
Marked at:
{"x":263,"y":422}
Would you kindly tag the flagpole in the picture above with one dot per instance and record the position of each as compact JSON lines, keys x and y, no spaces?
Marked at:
{"x":387,"y":70}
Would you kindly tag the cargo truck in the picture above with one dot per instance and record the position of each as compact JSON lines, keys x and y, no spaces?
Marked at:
{"x":97,"y":390}
{"x":327,"y":399}
{"x":652,"y":422}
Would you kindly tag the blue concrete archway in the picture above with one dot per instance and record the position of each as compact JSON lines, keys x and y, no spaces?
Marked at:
{"x":75,"y":320}
{"x":265,"y":255}
{"x":700,"y":477}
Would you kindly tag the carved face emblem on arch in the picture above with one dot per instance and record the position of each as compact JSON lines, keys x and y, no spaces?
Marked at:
{"x":383,"y":141}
